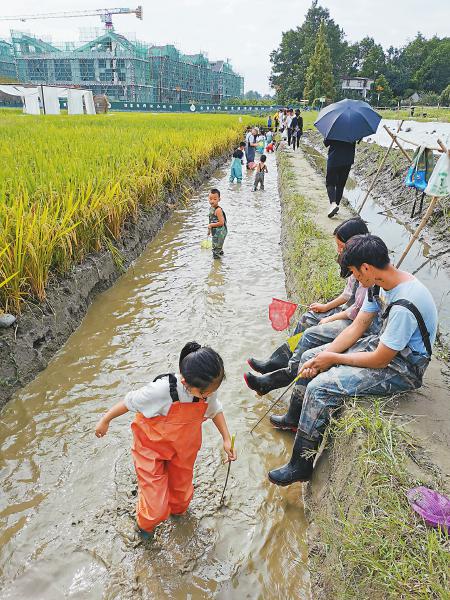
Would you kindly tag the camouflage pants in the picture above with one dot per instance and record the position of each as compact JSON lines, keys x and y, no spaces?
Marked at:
{"x":259,"y":179}
{"x":316,"y":335}
{"x":327,"y":391}
{"x":218,"y":238}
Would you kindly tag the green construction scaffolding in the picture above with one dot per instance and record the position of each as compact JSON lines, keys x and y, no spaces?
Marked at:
{"x":123,"y":70}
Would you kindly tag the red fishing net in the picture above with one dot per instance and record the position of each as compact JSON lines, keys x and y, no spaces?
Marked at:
{"x":280,"y":313}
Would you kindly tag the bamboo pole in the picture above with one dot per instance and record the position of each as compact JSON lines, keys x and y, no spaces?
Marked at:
{"x":378,"y":171}
{"x":422,"y":224}
{"x":394,"y":138}
{"x":442,"y":147}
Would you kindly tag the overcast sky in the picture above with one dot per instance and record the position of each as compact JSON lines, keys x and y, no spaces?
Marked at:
{"x":245,"y":32}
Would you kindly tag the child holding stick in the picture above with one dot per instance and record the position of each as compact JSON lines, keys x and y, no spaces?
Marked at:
{"x":217,"y":223}
{"x":167,"y":432}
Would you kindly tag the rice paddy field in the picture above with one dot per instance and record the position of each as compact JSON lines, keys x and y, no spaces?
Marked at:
{"x":67,"y":184}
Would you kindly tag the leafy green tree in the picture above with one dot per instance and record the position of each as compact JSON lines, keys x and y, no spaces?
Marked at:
{"x":252,"y":95}
{"x":369,"y":58}
{"x":290,"y":61}
{"x":381,"y":92}
{"x":445,"y":96}
{"x":319,"y":75}
{"x":403,"y":70}
{"x":433,"y":73}
{"x":430,"y":99}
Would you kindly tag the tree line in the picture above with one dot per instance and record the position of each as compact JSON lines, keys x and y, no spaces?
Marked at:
{"x":312,"y":59}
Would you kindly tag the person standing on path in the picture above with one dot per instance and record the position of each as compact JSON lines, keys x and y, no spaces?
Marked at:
{"x":297,"y":129}
{"x":217,"y":223}
{"x":167,"y":432}
{"x":289,"y":119}
{"x":276,"y":121}
{"x":341,"y":156}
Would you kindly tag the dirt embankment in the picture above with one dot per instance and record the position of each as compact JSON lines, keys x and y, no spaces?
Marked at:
{"x":42,"y":329}
{"x":392,"y":193}
{"x":364,"y":540}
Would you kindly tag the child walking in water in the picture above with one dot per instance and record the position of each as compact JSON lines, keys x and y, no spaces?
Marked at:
{"x":167,"y":432}
{"x":236,"y":165}
{"x":217,"y":223}
{"x":261,"y":169}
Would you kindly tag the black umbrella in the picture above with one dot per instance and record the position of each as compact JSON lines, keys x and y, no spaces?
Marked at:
{"x":347,"y":120}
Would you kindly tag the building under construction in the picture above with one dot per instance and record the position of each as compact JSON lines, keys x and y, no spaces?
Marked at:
{"x":123,"y":70}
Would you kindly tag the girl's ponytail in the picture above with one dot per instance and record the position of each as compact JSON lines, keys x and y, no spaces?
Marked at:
{"x":200,"y":365}
{"x":188,"y":349}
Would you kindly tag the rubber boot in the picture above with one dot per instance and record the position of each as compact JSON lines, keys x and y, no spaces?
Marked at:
{"x":290,"y":420}
{"x":278,"y":360}
{"x":300,"y":467}
{"x":263,"y":384}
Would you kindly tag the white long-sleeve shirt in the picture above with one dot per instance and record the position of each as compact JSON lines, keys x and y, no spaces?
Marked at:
{"x":154,"y":399}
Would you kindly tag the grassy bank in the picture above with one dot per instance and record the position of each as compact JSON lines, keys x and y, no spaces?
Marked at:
{"x":377,"y":544}
{"x":433,"y":113}
{"x":310,"y":258}
{"x":365,"y":540}
{"x":68,"y":184}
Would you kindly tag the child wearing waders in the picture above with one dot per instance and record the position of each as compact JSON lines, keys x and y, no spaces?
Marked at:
{"x":217,"y":223}
{"x":236,"y":165}
{"x":261,"y":169}
{"x":167,"y":432}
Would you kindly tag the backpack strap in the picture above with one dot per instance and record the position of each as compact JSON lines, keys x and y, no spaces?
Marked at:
{"x":373,"y":293}
{"x":172,"y":385}
{"x":420,"y":322}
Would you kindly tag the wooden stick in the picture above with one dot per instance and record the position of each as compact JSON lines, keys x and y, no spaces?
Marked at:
{"x":276,"y":402}
{"x":442,"y":146}
{"x":394,"y":137}
{"x":233,"y":437}
{"x":378,"y":171}
{"x":422,"y":224}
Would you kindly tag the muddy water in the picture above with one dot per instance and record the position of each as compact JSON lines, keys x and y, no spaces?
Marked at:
{"x":397,"y":234}
{"x":67,"y":505}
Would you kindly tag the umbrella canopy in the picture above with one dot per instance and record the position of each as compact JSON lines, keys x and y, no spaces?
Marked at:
{"x":347,"y":120}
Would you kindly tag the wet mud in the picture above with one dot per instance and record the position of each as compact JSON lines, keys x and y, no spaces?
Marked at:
{"x":68,"y":499}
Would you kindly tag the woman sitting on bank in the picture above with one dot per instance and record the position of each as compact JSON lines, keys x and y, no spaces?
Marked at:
{"x":322,"y":323}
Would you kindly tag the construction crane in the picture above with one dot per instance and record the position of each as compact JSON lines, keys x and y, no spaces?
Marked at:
{"x":105,"y":15}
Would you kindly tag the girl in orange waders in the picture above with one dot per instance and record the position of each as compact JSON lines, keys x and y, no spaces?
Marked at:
{"x":167,"y":432}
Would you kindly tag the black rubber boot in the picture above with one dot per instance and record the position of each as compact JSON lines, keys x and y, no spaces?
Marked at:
{"x":300,"y":467}
{"x":263,"y":384}
{"x":289,"y":421}
{"x":278,"y":360}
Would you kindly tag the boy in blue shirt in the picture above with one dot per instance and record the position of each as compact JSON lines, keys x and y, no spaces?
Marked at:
{"x":376,"y":365}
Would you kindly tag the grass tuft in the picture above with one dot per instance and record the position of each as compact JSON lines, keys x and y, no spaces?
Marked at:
{"x":381,"y":548}
{"x":311,"y":255}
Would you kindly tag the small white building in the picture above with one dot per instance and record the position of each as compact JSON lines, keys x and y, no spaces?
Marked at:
{"x":360,"y":85}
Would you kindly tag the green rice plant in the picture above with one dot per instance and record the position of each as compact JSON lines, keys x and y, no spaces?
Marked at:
{"x":68,"y":184}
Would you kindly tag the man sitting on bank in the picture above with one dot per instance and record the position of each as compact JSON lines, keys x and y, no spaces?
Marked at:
{"x":377,"y":365}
